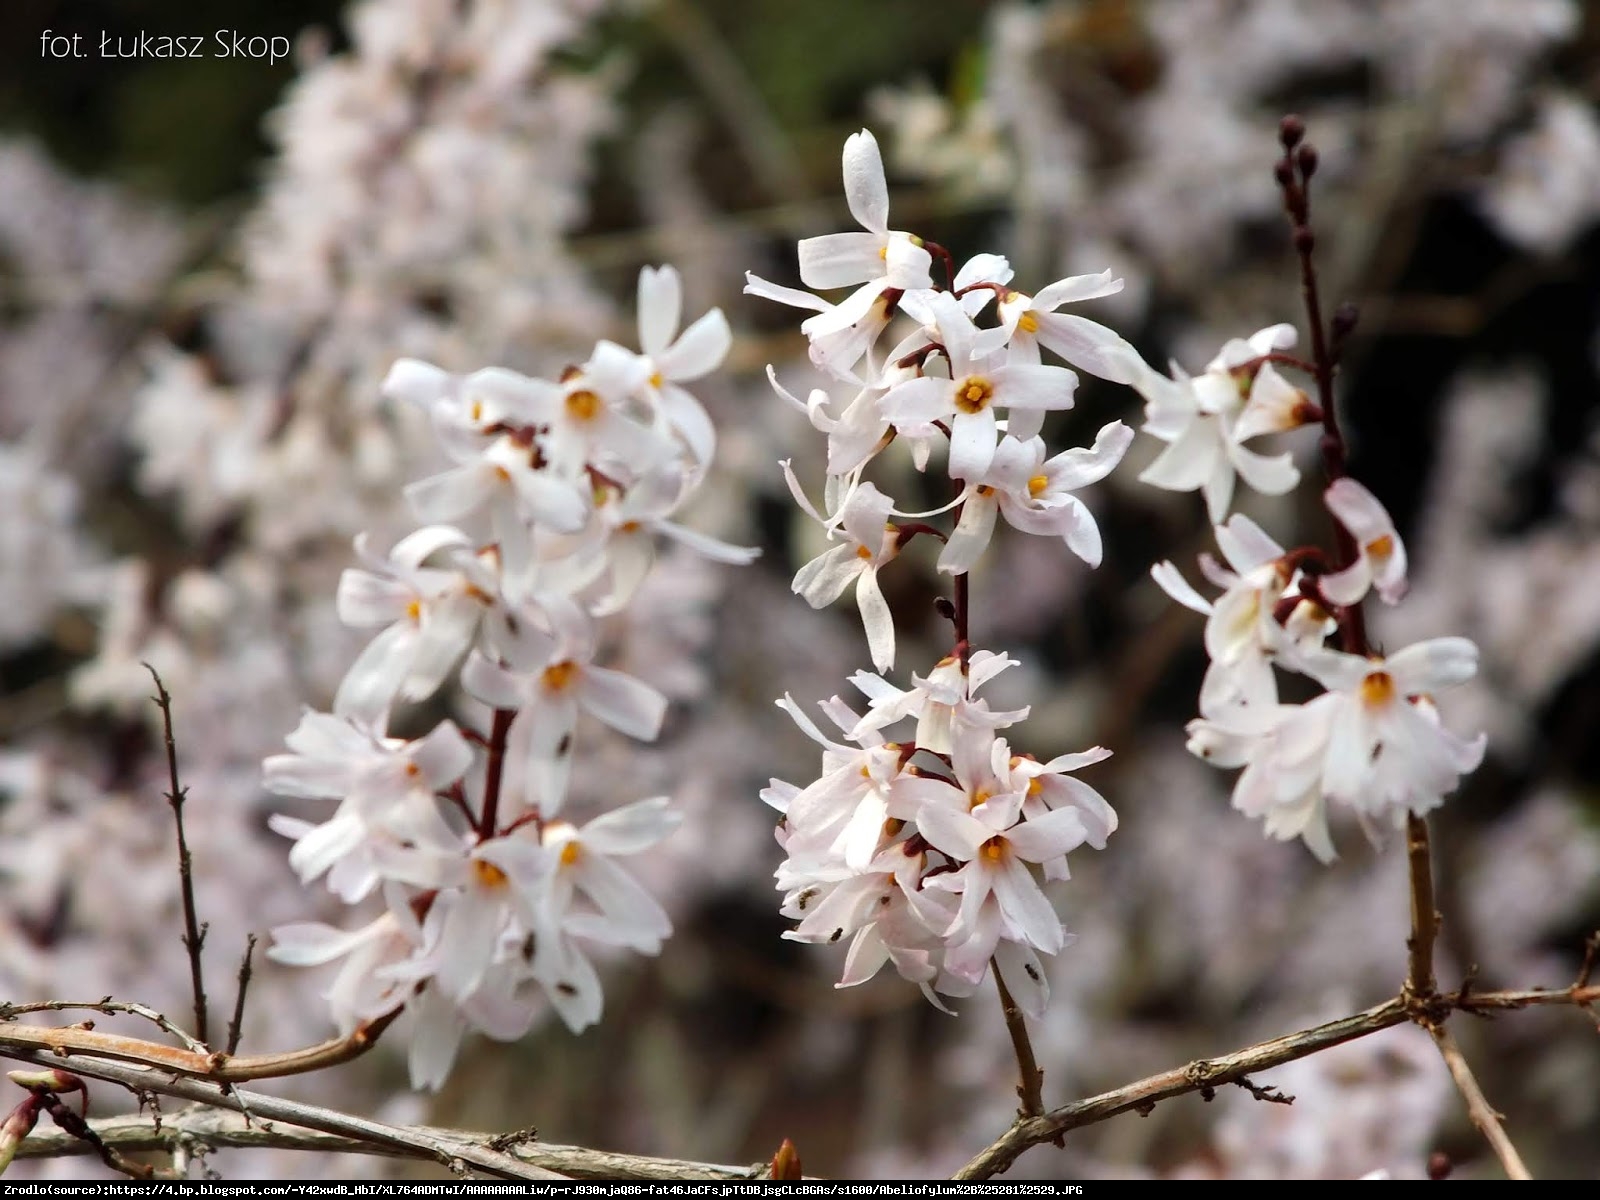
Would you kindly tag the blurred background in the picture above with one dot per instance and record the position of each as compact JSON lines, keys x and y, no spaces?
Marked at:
{"x":207,"y":265}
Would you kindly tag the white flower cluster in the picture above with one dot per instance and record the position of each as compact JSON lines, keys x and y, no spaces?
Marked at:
{"x":1373,"y":741}
{"x":922,"y":850}
{"x":492,"y":898}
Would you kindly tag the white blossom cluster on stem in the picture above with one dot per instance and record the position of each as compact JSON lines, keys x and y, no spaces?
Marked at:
{"x":926,"y":839}
{"x":493,"y":899}
{"x":1372,"y":743}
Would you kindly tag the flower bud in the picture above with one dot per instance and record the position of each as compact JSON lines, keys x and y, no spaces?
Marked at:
{"x":18,"y":1124}
{"x":49,"y":1079}
{"x":786,"y":1162}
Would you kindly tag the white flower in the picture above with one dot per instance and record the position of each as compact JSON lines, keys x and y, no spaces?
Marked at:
{"x":942,"y":703}
{"x":619,"y":911}
{"x":1380,"y":554}
{"x":511,"y":484}
{"x":871,"y":541}
{"x":1243,"y":636}
{"x":363,"y":990}
{"x":387,"y":787}
{"x":977,"y":386}
{"x":1085,"y":344}
{"x":841,"y":813}
{"x":1206,"y":418}
{"x":837,"y":344}
{"x":995,"y":849}
{"x":431,"y":616}
{"x":1034,"y":494}
{"x":1387,"y":752}
{"x":1050,"y":785}
{"x":878,"y":258}
{"x":669,"y":358}
{"x":547,"y":691}
{"x":1372,"y":743}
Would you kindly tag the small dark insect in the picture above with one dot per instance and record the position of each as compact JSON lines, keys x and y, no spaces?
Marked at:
{"x":835,"y":936}
{"x":805,"y":898}
{"x":1033,"y":971}
{"x":566,"y":989}
{"x":564,"y":745}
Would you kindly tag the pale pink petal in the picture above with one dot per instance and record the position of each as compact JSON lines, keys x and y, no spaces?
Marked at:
{"x":876,"y":619}
{"x":1429,"y":666}
{"x":1349,"y":585}
{"x":1172,"y":582}
{"x":865,"y":187}
{"x":1028,"y":915}
{"x":1045,"y":837}
{"x":443,"y":756}
{"x":1020,"y":967}
{"x":1087,"y":345}
{"x":492,"y":684}
{"x":838,"y":260}
{"x":972,"y":444}
{"x":1034,"y":387}
{"x":754,"y":285}
{"x":660,"y":308}
{"x":626,"y":704}
{"x":699,"y":351}
{"x":972,"y":533}
{"x":453,"y":493}
{"x":633,"y":828}
{"x":1074,"y":289}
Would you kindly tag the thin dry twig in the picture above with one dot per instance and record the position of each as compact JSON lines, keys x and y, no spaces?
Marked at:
{"x":1483,"y":1116}
{"x":1420,"y":982}
{"x":1030,"y":1089}
{"x":1208,"y":1074}
{"x":21,"y":1040}
{"x":111,"y":1008}
{"x":236,"y":1025}
{"x":194,"y":933}
{"x":284,"y":1124}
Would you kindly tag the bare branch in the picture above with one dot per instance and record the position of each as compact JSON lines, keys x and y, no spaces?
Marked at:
{"x":1196,"y":1076}
{"x":110,"y":1007}
{"x":284,"y":1124}
{"x":1483,"y":1116}
{"x":1030,"y":1090}
{"x":194,"y":933}
{"x":1420,"y":982}
{"x":236,"y":1026}
{"x":20,"y":1040}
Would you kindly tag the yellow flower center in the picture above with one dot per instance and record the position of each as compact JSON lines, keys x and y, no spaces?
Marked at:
{"x":583,"y":405}
{"x":1028,"y":322}
{"x":1038,"y":484}
{"x":559,"y":676}
{"x":487,"y":875}
{"x":994,"y":849}
{"x":569,"y":854}
{"x":978,"y":797}
{"x":656,"y":380}
{"x":477,"y":410}
{"x":863,"y":552}
{"x":1381,"y":547}
{"x":974,"y":394}
{"x":1377,"y":689}
{"x":414,"y":610}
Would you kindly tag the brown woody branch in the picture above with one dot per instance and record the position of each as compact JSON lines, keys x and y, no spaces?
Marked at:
{"x":1207,"y":1074}
{"x":287,"y":1124}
